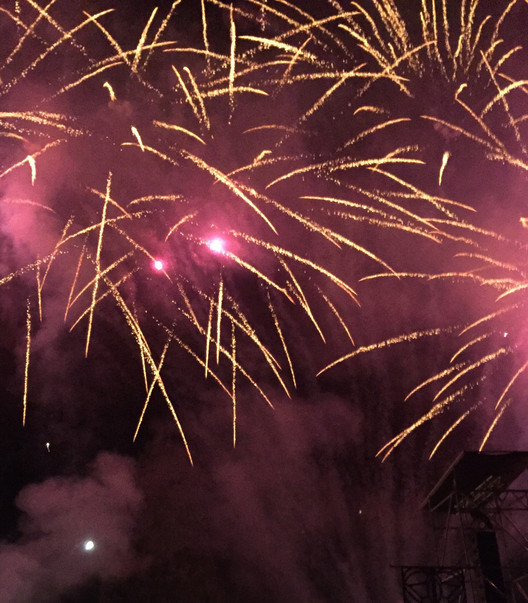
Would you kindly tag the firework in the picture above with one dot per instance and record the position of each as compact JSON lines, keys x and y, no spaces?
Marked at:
{"x":477,"y":113}
{"x":159,"y":193}
{"x":247,"y":243}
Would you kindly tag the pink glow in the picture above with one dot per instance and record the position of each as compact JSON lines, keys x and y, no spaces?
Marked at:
{"x":158,"y":265}
{"x":217,"y":245}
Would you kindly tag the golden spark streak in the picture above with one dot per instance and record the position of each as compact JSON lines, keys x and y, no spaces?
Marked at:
{"x":233,"y":386}
{"x":26,"y":367}
{"x":239,"y":367}
{"x":74,"y":282}
{"x":151,"y":150}
{"x":520,"y":287}
{"x":511,"y":382}
{"x":103,"y":273}
{"x":288,"y":70}
{"x":487,"y":318}
{"x":85,"y":77}
{"x":434,"y":378}
{"x":501,"y":96}
{"x":494,"y":423}
{"x":141,"y":42}
{"x":302,"y":299}
{"x":281,"y":336}
{"x":196,"y":90}
{"x":221,"y":177}
{"x":43,"y":118}
{"x":460,"y":130}
{"x":383,"y":344}
{"x":261,"y":275}
{"x":142,"y":343}
{"x":52,"y":257}
{"x":437,"y":202}
{"x":49,"y":49}
{"x":185,"y":347}
{"x":343,"y":164}
{"x":289,"y":254}
{"x":44,"y":12}
{"x":188,"y":95}
{"x":469,"y":344}
{"x":222,"y":91}
{"x":150,"y":198}
{"x":151,"y":388}
{"x":437,"y":409}
{"x":338,"y":316}
{"x":141,"y":355}
{"x":180,"y":222}
{"x":29,"y":202}
{"x":336,"y":238}
{"x":271,"y":127}
{"x":50,"y":145}
{"x":471,"y":367}
{"x":98,"y":262}
{"x":23,"y":270}
{"x":28,"y":30}
{"x":208,"y":337}
{"x":232,"y":35}
{"x":102,"y":196}
{"x":188,"y":304}
{"x":481,"y":123}
{"x":270,"y":43}
{"x":219,"y":317}
{"x":376,"y":128}
{"x":394,"y":221}
{"x":161,"y":29}
{"x":241,"y":321}
{"x":118,"y":283}
{"x":453,"y":426}
{"x":250,"y":332}
{"x":204,"y":30}
{"x":39,"y":290}
{"x":162,"y":124}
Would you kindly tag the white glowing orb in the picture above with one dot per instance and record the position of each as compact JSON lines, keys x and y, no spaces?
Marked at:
{"x":89,"y":545}
{"x":217,"y":245}
{"x":158,"y":265}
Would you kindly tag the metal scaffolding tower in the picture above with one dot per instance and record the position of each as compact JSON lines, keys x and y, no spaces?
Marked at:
{"x":479,"y":510}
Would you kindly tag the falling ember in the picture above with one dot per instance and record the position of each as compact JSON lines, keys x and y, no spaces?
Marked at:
{"x":111,"y":92}
{"x":217,"y":245}
{"x":445,"y":159}
{"x":137,"y":135}
{"x":32,"y":164}
{"x":158,"y":265}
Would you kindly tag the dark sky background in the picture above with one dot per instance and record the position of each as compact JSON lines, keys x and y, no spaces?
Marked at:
{"x":301,"y":509}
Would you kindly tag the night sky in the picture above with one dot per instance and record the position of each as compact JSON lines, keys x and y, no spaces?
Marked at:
{"x":316,"y":181}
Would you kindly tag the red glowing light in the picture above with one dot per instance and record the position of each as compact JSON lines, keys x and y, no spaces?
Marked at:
{"x":158,"y":265}
{"x":217,"y":245}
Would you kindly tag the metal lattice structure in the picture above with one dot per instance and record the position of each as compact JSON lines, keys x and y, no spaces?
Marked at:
{"x":479,"y":509}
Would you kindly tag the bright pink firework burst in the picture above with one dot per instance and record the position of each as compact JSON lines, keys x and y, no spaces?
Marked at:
{"x":217,"y":245}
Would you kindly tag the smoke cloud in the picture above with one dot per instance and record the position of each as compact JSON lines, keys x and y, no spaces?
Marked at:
{"x":61,"y":519}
